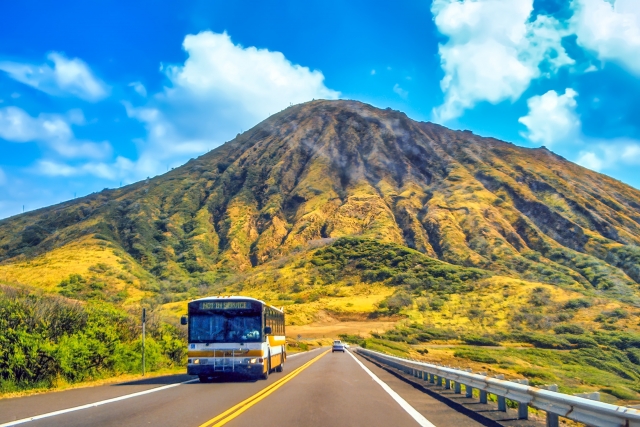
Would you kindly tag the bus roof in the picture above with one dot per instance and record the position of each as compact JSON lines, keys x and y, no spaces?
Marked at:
{"x":234,"y":298}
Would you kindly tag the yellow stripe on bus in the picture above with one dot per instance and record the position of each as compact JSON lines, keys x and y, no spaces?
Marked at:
{"x":238,"y":409}
{"x":276,"y":340}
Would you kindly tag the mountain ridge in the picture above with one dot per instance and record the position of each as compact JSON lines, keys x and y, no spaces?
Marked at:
{"x":328,"y":169}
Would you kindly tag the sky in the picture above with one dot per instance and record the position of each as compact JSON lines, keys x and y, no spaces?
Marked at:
{"x":99,"y":94}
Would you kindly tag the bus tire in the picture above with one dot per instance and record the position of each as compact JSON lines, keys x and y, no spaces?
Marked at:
{"x":280,"y":367}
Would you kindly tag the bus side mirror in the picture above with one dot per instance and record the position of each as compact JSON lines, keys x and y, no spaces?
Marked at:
{"x":267,"y":330}
{"x":183,"y":320}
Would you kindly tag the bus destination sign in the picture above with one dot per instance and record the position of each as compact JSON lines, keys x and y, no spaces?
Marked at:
{"x":225,"y":305}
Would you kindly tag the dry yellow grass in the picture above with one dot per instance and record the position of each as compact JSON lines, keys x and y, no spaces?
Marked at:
{"x":48,"y":270}
{"x":332,"y":330}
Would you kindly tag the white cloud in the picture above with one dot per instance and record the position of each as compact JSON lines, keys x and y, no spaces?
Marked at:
{"x":139,"y":88}
{"x":51,"y":129}
{"x":121,"y":167}
{"x":609,"y":28}
{"x":59,"y":77}
{"x":493,"y":51}
{"x":552,"y":118}
{"x":221,"y":89}
{"x":401,"y":92}
{"x":602,"y":155}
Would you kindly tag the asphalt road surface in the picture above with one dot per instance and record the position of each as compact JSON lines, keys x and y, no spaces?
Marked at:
{"x":318,"y":388}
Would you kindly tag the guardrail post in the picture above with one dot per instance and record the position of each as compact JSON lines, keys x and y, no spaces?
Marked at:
{"x":469,"y":391}
{"x":553,"y":420}
{"x":447,"y":384}
{"x":502,"y":401}
{"x":502,"y":404}
{"x":523,"y":411}
{"x":432,"y":378}
{"x":483,"y":394}
{"x":523,"y":407}
{"x":439,"y":381}
{"x":457,"y":388}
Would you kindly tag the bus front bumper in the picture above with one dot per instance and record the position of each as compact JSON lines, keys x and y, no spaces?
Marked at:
{"x":206,"y":369}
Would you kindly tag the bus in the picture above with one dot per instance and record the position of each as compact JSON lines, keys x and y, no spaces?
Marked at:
{"x":234,"y":335}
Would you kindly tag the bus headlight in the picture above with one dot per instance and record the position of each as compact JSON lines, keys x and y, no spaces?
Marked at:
{"x":196,"y":361}
{"x":253,"y":360}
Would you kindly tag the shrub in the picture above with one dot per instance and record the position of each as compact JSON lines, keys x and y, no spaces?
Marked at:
{"x":540,"y":297}
{"x":620,"y":392}
{"x":475,"y":356}
{"x":538,"y":373}
{"x":480,"y":341}
{"x":569,"y":329}
{"x":545,"y":341}
{"x":45,"y":337}
{"x":398,"y":301}
{"x":581,"y":341}
{"x":577,"y":303}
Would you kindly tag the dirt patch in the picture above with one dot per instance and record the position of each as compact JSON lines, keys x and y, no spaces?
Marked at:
{"x":331,"y":316}
{"x":333,"y":328}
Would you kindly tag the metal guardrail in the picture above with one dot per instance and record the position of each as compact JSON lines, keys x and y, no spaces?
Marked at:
{"x":590,"y":412}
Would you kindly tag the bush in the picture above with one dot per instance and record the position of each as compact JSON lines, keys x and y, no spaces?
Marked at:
{"x":398,"y":301}
{"x":475,"y":356}
{"x":580,"y":341}
{"x":44,"y":338}
{"x":538,"y":373}
{"x":633,"y":354}
{"x":620,"y":392}
{"x":545,"y":341}
{"x":480,"y":341}
{"x":569,"y":329}
{"x":352,"y":339}
{"x":577,"y":303}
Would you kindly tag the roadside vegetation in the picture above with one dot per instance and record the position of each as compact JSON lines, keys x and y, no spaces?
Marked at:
{"x":47,"y":341}
{"x":356,"y":286}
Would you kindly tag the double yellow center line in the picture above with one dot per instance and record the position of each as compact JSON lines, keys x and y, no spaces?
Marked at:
{"x":238,"y":409}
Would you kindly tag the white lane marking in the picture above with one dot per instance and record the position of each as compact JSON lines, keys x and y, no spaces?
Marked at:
{"x":403,"y":403}
{"x":92,"y":405}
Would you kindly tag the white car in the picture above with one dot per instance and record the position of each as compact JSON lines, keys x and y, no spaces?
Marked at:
{"x":337,"y":346}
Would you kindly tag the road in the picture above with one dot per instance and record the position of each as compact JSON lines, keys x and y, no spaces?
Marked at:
{"x":318,"y":388}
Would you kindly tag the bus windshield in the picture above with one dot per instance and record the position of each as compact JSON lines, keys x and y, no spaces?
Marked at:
{"x":223,"y":327}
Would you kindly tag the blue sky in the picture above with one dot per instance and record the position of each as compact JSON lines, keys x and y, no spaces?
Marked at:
{"x":95,"y":94}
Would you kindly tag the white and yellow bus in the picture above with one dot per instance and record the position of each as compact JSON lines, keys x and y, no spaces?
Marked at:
{"x":234,"y":336}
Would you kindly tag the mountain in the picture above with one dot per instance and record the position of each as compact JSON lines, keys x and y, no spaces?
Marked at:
{"x":328,"y":169}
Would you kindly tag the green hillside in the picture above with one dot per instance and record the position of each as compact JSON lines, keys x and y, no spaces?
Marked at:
{"x":361,"y":220}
